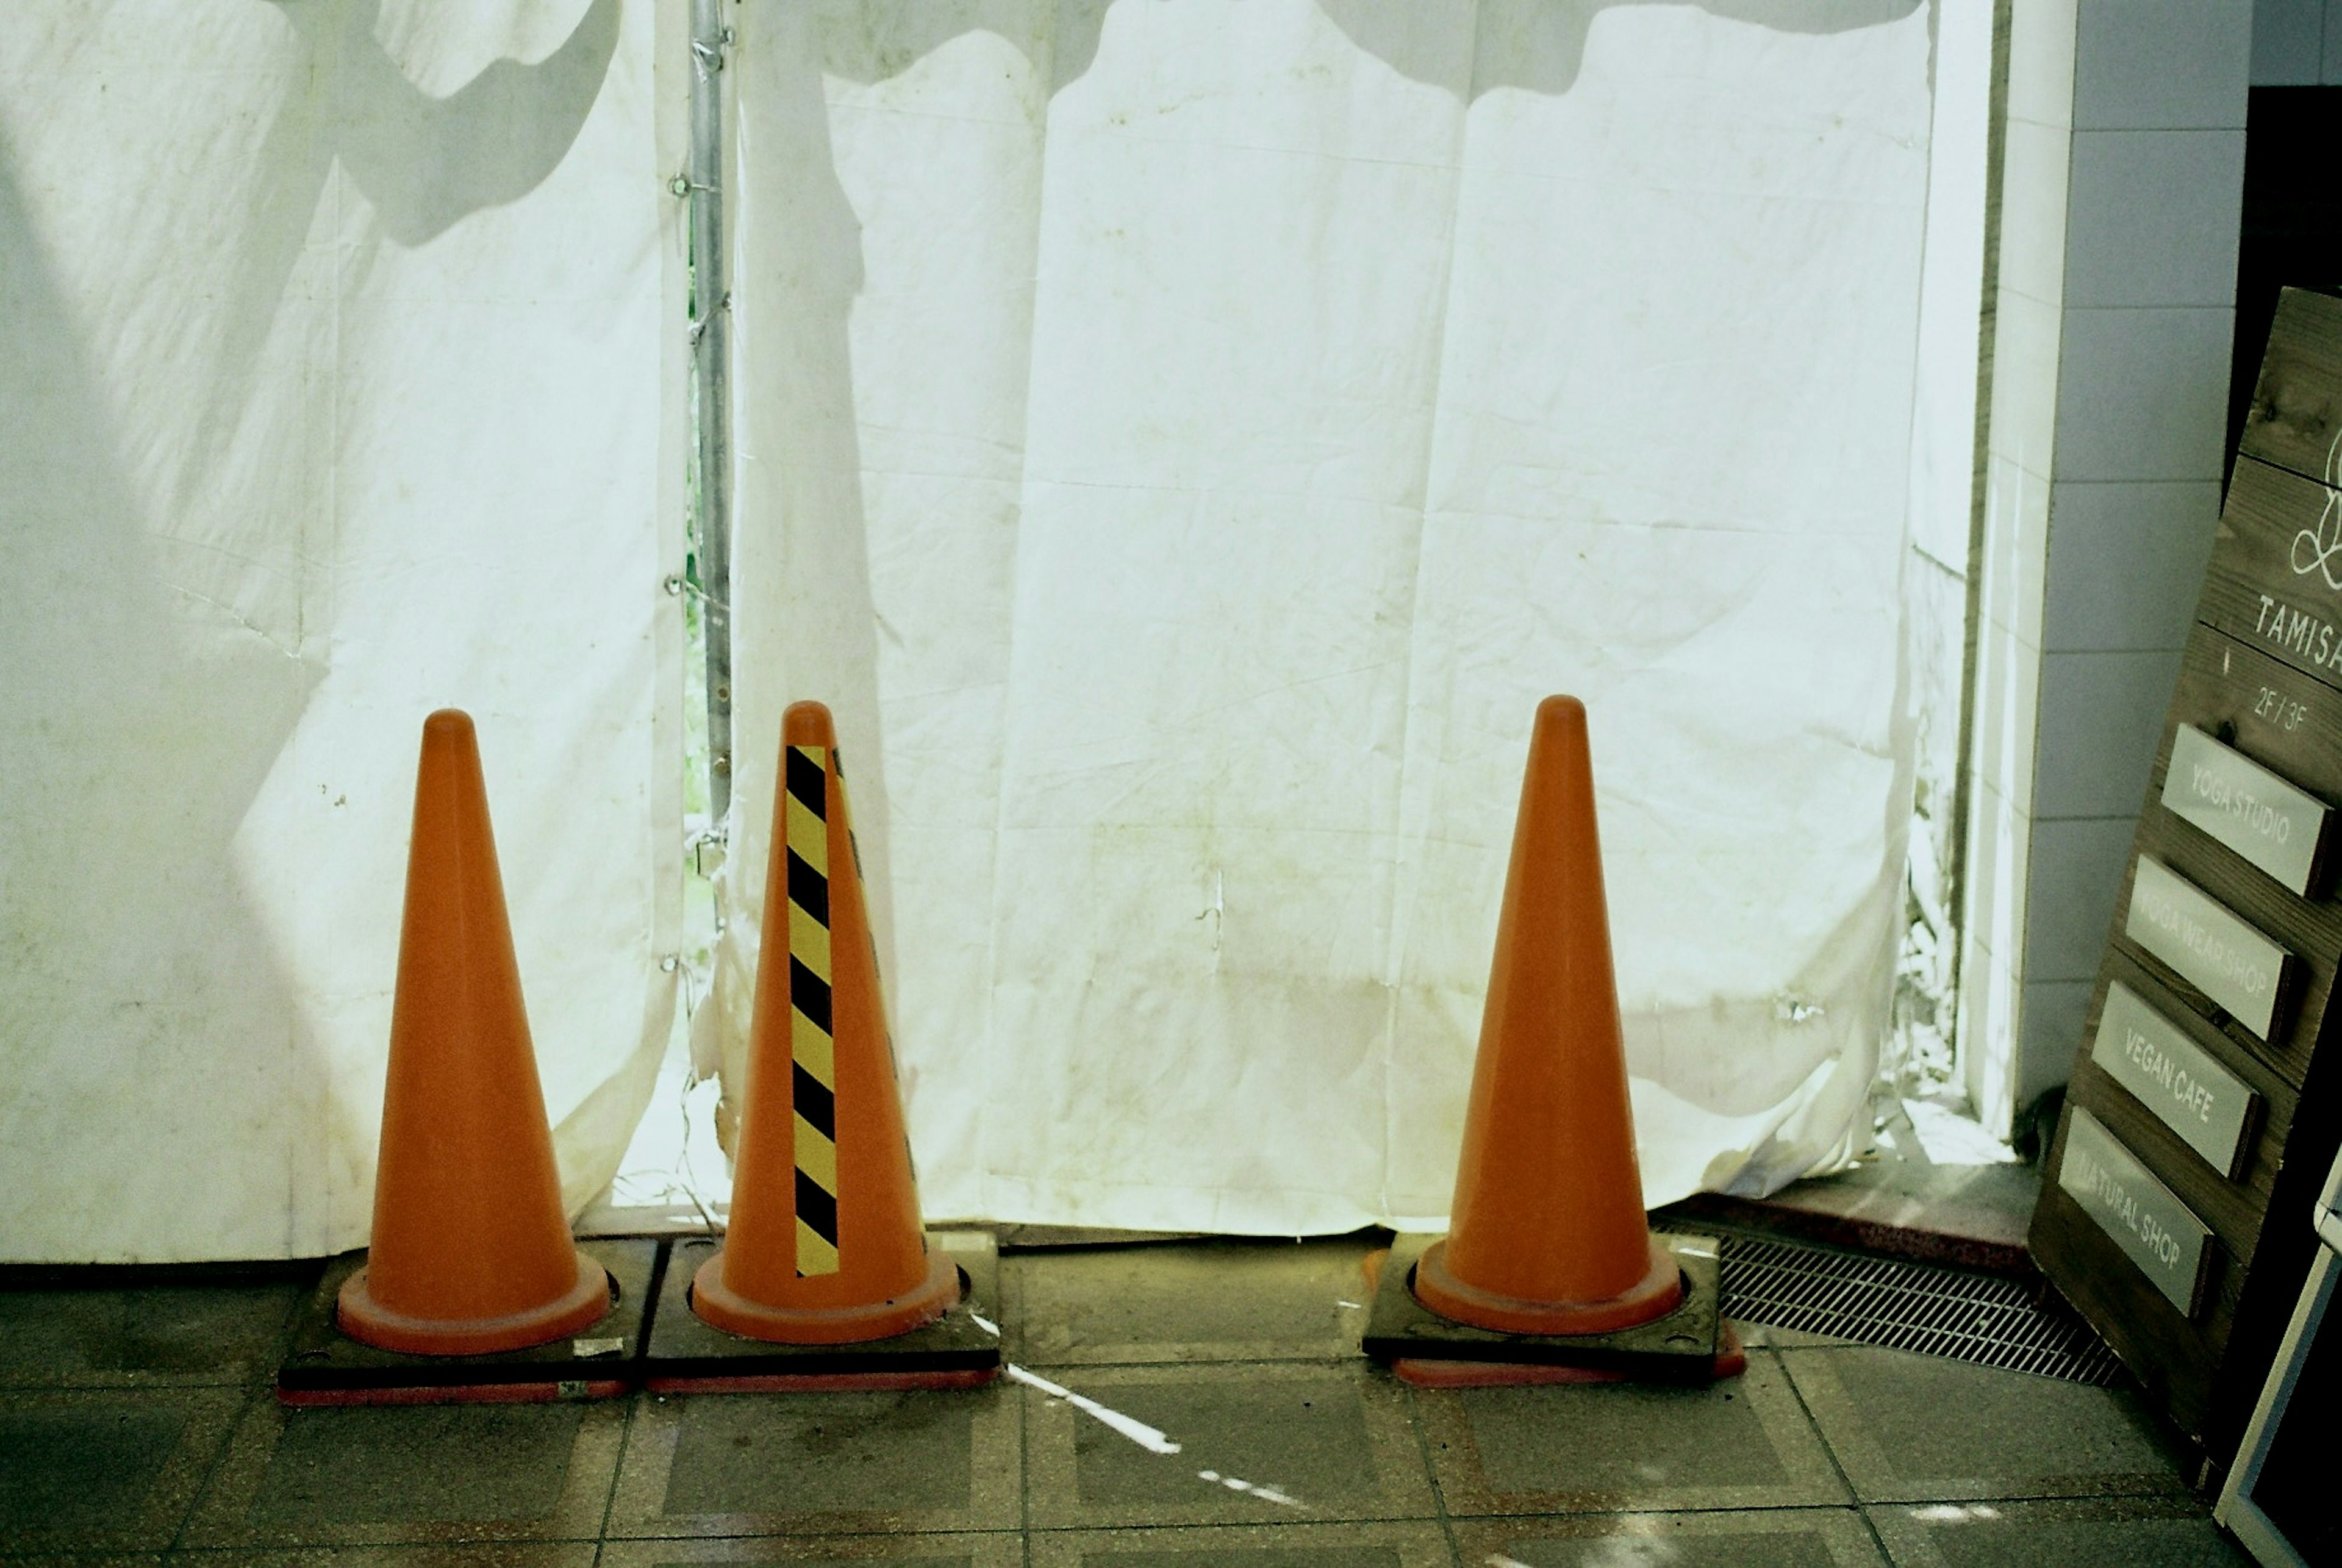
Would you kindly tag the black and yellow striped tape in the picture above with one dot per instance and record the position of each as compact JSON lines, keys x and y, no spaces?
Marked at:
{"x":813,"y":1075}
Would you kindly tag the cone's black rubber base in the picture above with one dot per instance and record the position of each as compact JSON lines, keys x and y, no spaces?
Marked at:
{"x":688,"y":1355}
{"x":1686,"y":1345}
{"x":325,"y":1366}
{"x":1731,"y":1361}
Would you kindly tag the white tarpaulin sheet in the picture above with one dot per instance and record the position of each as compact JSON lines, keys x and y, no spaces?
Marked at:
{"x":1183,"y":442}
{"x":331,"y":392}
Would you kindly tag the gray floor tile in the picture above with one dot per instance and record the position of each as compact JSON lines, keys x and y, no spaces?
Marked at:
{"x":1760,"y":1538}
{"x":82,"y":1468}
{"x":1003,"y":1549}
{"x":1382,"y":1544}
{"x":404,"y":1474}
{"x":805,"y":1463}
{"x":2138,"y":1533}
{"x":1329,"y":1441}
{"x":166,"y":1335}
{"x":86,"y":1471}
{"x":1918,"y":1428}
{"x":116,"y":1406}
{"x":1743,"y":1442}
{"x":501,"y":1463}
{"x":1205,"y":1301}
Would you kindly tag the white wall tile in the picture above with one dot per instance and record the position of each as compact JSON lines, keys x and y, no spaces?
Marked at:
{"x":2027,"y":335}
{"x":2007,"y":699}
{"x":2287,"y":42}
{"x":1998,"y":840}
{"x":2041,"y":61}
{"x":2015,"y":548}
{"x":2036,"y":164}
{"x":2074,"y":876}
{"x":2101,"y":717}
{"x":2162,"y":65}
{"x":2112,"y":322}
{"x":2055,"y":1012}
{"x":1987,"y":1033}
{"x":2152,"y":217}
{"x":2143,"y":392}
{"x":2126,"y":564}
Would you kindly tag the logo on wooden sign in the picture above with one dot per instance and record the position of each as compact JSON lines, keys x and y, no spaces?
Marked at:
{"x":2277,"y":555}
{"x":2314,"y":547}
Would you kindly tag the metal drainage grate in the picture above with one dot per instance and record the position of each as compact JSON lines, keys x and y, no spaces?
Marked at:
{"x":1911,"y":1306}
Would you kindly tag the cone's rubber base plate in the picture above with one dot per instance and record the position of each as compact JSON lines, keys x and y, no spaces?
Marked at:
{"x":325,"y":1366}
{"x":688,"y":1355}
{"x":1686,"y":1345}
{"x":1731,"y":1361}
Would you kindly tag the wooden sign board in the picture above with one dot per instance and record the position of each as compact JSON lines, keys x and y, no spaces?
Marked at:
{"x":2177,"y":1196}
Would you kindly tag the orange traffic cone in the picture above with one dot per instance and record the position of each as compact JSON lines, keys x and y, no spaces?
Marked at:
{"x":1548,"y":1235}
{"x":471,"y":1253}
{"x":825,"y":1244}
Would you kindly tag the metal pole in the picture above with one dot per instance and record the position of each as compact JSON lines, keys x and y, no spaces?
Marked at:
{"x":711,"y":306}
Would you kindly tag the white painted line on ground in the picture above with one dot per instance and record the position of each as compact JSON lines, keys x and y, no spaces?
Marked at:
{"x":1265,"y":1494}
{"x":1147,"y":1437}
{"x":1131,"y":1427}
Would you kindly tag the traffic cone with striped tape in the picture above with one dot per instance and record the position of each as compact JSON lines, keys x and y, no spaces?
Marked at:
{"x":825,"y":1246}
{"x":1549,"y":1260}
{"x":471,"y":1253}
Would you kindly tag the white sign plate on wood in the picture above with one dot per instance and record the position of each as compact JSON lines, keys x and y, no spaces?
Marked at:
{"x":2212,"y":949}
{"x":2243,"y":805}
{"x":2144,"y":1218}
{"x":2188,"y":1091}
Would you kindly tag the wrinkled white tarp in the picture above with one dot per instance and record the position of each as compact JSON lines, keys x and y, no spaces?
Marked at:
{"x":1184,"y":441}
{"x":331,"y":370}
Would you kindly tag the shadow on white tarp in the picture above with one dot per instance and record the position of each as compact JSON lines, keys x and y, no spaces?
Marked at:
{"x":331,"y":393}
{"x":1183,"y":442}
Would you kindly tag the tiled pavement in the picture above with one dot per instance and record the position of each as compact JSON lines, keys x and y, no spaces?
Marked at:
{"x":137,"y":1424}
